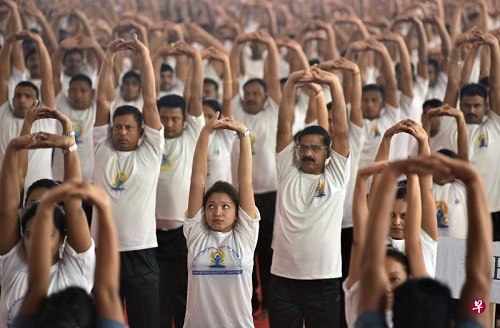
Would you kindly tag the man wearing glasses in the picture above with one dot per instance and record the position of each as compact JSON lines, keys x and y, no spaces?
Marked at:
{"x":312,"y":180}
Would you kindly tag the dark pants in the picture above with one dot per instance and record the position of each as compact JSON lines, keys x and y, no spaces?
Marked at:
{"x":139,"y":287}
{"x":266,"y":203}
{"x":171,"y":255}
{"x":495,"y":219}
{"x":295,"y":302}
{"x":346,"y":238}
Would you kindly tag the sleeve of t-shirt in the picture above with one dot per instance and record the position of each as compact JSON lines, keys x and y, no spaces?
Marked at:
{"x":193,"y":227}
{"x":391,"y":115}
{"x":12,"y":261}
{"x":153,"y":141}
{"x":194,"y":124}
{"x":101,"y":135}
{"x":429,"y":250}
{"x":83,"y":263}
{"x":494,"y":122}
{"x":405,"y":105}
{"x":356,"y":141}
{"x":285,"y":161}
{"x":340,"y":167}
{"x":248,"y":227}
{"x":228,"y":138}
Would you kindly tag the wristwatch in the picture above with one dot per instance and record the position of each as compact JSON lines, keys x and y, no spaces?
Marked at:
{"x":243,"y":134}
{"x":70,"y":149}
{"x":69,"y":134}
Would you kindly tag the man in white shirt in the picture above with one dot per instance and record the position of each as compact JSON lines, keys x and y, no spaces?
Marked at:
{"x":183,"y":122}
{"x":312,"y":181}
{"x":128,"y":171}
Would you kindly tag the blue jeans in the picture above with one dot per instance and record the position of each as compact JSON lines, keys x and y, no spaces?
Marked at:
{"x":295,"y":302}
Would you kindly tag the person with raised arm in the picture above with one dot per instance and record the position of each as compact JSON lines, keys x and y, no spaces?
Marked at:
{"x":128,"y":170}
{"x":224,"y":221}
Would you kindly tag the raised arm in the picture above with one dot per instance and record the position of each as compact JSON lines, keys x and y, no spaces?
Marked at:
{"x":47,"y":87}
{"x":200,"y":168}
{"x":237,"y":66}
{"x":195,"y":100}
{"x":48,"y":34}
{"x":105,"y":85}
{"x":15,"y":26}
{"x":423,"y":48}
{"x":149,"y":109}
{"x":5,"y":66}
{"x":227,"y":87}
{"x":107,"y":273}
{"x":331,"y":46}
{"x":360,"y":218}
{"x":271,"y":66}
{"x":492,"y":42}
{"x":391,"y":97}
{"x":286,"y":108}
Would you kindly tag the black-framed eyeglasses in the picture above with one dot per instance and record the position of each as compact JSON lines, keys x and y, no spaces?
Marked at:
{"x":314,"y":148}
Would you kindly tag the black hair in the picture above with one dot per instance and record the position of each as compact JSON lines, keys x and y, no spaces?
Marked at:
{"x":422,"y":302}
{"x":172,"y":101}
{"x":485,"y":81}
{"x":30,"y":85}
{"x":261,"y":82}
{"x":223,"y":187}
{"x":432,"y":103}
{"x":29,"y":54}
{"x":329,"y":106}
{"x":317,"y":130}
{"x":166,"y":68}
{"x":132,"y":75}
{"x":474,"y":89}
{"x":399,"y":257}
{"x":42,"y":183}
{"x":213,"y":104}
{"x":208,"y":80}
{"x":398,"y":66}
{"x":129,"y":110}
{"x":59,"y":218}
{"x":72,"y":51}
{"x":314,"y":61}
{"x":296,"y":137}
{"x":81,"y":77}
{"x":283,"y":80}
{"x":71,"y":307}
{"x":448,"y":152}
{"x":401,"y":193}
{"x":376,"y":88}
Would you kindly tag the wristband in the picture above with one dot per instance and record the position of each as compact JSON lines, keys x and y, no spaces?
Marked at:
{"x":243,"y":134}
{"x":70,"y":149}
{"x":69,"y":134}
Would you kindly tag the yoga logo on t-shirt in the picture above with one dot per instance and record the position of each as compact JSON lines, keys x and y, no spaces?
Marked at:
{"x":166,"y":162}
{"x":442,"y":214}
{"x":78,"y":128}
{"x":217,"y":261}
{"x":253,"y":139}
{"x":375,"y":131}
{"x":320,"y":190}
{"x":483,"y":140}
{"x":119,"y":181}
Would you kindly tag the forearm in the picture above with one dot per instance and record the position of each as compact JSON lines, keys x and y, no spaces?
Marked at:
{"x":227,"y":90}
{"x":468,"y":65}
{"x":47,"y":87}
{"x":356,"y":114}
{"x":48,"y":33}
{"x":462,"y":138}
{"x":405,"y":68}
{"x":495,"y":77}
{"x":390,"y":81}
{"x":196,"y":86}
{"x":453,"y":86}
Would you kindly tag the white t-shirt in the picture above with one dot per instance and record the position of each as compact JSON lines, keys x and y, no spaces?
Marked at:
{"x":484,"y":153}
{"x":429,"y":250}
{"x":219,"y":149}
{"x":130,"y":179}
{"x":172,"y":195}
{"x":374,"y":132}
{"x":300,"y":111}
{"x":39,"y":160}
{"x":86,"y":70}
{"x":83,"y":125}
{"x":264,"y":126}
{"x":352,"y":297}
{"x":220,"y":272}
{"x":308,"y":218}
{"x":72,"y":269}
{"x":451,"y":209}
{"x":356,"y":140}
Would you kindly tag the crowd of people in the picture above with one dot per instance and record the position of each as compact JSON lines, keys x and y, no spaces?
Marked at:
{"x":199,"y":164}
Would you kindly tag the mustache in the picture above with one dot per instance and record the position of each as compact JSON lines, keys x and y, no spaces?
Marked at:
{"x":307,"y":159}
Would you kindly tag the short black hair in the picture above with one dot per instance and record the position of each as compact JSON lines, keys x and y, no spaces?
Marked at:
{"x":317,"y":130}
{"x":329,"y":106}
{"x":30,"y":53}
{"x":29,"y":85}
{"x":213,"y":104}
{"x":474,"y":89}
{"x":172,"y":101}
{"x":432,"y":103}
{"x":376,"y":88}
{"x":132,"y":75}
{"x":208,"y":80}
{"x":401,"y":193}
{"x":261,"y":82}
{"x":433,"y":62}
{"x":166,"y":68}
{"x":73,"y":51}
{"x":485,"y":81}
{"x":129,"y":110}
{"x":314,"y":61}
{"x":41,"y":183}
{"x":422,"y":302}
{"x":399,"y":257}
{"x":81,"y":77}
{"x":59,"y":218}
